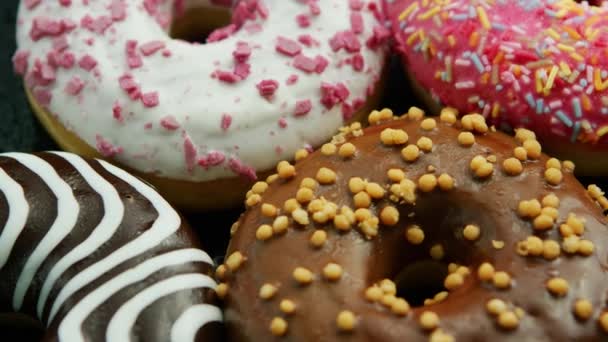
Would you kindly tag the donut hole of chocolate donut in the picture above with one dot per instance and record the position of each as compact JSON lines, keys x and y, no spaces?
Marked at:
{"x":197,"y":22}
{"x":419,"y":273}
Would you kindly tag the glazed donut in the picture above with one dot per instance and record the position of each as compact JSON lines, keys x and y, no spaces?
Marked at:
{"x":420,"y":229}
{"x":95,"y":254}
{"x":284,"y":75}
{"x":534,"y":64}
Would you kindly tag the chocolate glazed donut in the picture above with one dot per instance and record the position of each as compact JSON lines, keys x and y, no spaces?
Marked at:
{"x":95,"y":254}
{"x":420,"y":229}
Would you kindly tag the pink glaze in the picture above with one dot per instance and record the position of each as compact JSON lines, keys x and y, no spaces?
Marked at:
{"x":537,"y":64}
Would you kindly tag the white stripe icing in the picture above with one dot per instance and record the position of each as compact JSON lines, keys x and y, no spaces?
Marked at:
{"x":18,"y":211}
{"x":167,"y":223}
{"x":70,"y":327}
{"x":113,"y":215}
{"x":121,"y":324}
{"x":67,"y":215}
{"x":192,"y":320}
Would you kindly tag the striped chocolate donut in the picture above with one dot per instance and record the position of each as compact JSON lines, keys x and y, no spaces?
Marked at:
{"x":95,"y":254}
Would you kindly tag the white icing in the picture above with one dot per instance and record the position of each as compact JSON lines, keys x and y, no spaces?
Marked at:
{"x":70,"y":327}
{"x":18,"y":211}
{"x":167,"y":223}
{"x":192,"y":320}
{"x":119,"y":329}
{"x":189,"y":94}
{"x":113,"y":213}
{"x":67,"y":215}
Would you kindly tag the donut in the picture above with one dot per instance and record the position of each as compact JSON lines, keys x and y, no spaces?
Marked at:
{"x":95,"y":254}
{"x":534,"y":64}
{"x":209,"y":119}
{"x":420,"y":229}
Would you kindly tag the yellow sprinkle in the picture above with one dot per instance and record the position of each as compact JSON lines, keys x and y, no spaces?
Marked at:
{"x":495,"y":110}
{"x":411,"y":8}
{"x":572,"y":32}
{"x":586,"y":102}
{"x":597,"y":80}
{"x":483,"y":18}
{"x":410,"y":40}
{"x":578,"y":57}
{"x":451,"y":40}
{"x":550,"y":79}
{"x":474,"y":39}
{"x":602,"y":131}
{"x":551,"y":32}
{"x":565,"y":47}
{"x":429,"y":13}
{"x":561,"y":13}
{"x":499,"y":56}
{"x":565,"y":68}
{"x":539,"y":82}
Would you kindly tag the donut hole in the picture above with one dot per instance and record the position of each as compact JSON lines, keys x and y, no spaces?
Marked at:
{"x":196,"y":23}
{"x":421,"y":280}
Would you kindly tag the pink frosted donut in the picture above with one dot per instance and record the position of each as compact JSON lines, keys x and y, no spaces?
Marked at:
{"x":282,"y":76}
{"x":538,"y":64}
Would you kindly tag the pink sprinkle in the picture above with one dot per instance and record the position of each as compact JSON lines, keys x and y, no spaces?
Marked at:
{"x":169,"y":123}
{"x":358,"y":62}
{"x":74,"y":86}
{"x":118,"y":10}
{"x":355,"y":5}
{"x":356,"y":22}
{"x":307,"y":40}
{"x":66,"y":61}
{"x":87,"y":62}
{"x":381,"y":35}
{"x":190,"y":153}
{"x":221,"y":33}
{"x":283,"y":123}
{"x":303,"y":107}
{"x":242,"y":70}
{"x":60,"y":43}
{"x":287,"y":46}
{"x":226,"y":76}
{"x":106,"y":148}
{"x":314,"y":8}
{"x":242,"y":52}
{"x":117,"y":112}
{"x":303,"y":20}
{"x":304,"y":63}
{"x":292,"y":79}
{"x":20,"y":62}
{"x":99,"y":25}
{"x":133,"y":59}
{"x":226,"y":121}
{"x":333,"y":94}
{"x":241,"y":169}
{"x":127,"y":82}
{"x":213,"y":158}
{"x":30,"y":4}
{"x":322,"y":63}
{"x":267,"y":88}
{"x":152,"y":47}
{"x":150,"y":99}
{"x":43,"y":97}
{"x":46,"y":27}
{"x":345,"y":39}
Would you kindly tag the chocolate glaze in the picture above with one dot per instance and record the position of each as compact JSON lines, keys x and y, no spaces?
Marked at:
{"x":491,"y":204}
{"x":154,"y":323}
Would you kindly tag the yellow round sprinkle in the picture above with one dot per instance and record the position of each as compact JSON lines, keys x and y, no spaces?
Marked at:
{"x":501,"y":280}
{"x":259,"y":187}
{"x":318,"y":238}
{"x":346,"y":321}
{"x":425,"y":144}
{"x":221,"y":290}
{"x":410,"y":153}
{"x":508,"y":320}
{"x":332,"y":271}
{"x":448,"y":115}
{"x":429,"y":320}
{"x":453,"y":281}
{"x":471,"y":232}
{"x":415,"y":113}
{"x":414,"y":234}
{"x":446,"y":182}
{"x":300,"y":154}
{"x":373,"y":293}
{"x":235,"y":260}
{"x":395,"y":175}
{"x":287,"y":306}
{"x":389,"y":216}
{"x":466,"y":139}
{"x":550,"y":201}
{"x":583,"y":309}
{"x":347,"y":150}
{"x":551,"y":249}
{"x":374,"y":190}
{"x":485,"y":272}
{"x":533,"y":149}
{"x":264,"y":232}
{"x":391,"y":136}
{"x":356,"y":185}
{"x":329,"y":149}
{"x":520,"y":153}
{"x":362,"y":200}
{"x":512,"y":166}
{"x":267,"y":291}
{"x":557,"y":286}
{"x":326,"y":176}
{"x":304,"y":195}
{"x":278,"y":326}
{"x":437,"y":252}
{"x":496,"y":306}
{"x":427,"y":183}
{"x":302,"y":275}
{"x":400,"y":307}
{"x":553,"y":176}
{"x":280,"y":224}
{"x":428,"y":124}
{"x":553,"y":163}
{"x":286,"y":170}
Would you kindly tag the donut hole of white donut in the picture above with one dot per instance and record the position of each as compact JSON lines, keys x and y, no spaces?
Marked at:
{"x":195,"y":22}
{"x":434,"y":250}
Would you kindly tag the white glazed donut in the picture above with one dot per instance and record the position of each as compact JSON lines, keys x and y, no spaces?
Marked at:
{"x":284,"y":75}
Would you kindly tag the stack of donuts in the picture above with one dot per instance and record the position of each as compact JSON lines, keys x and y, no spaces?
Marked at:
{"x":443,"y":224}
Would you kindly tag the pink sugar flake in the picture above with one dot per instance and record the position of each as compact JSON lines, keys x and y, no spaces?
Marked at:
{"x":333,"y":94}
{"x":152,"y":47}
{"x":347,"y":111}
{"x":65,"y":3}
{"x":282,"y":123}
{"x":133,"y":59}
{"x":42,"y":74}
{"x":261,"y":9}
{"x":267,"y":88}
{"x":117,"y":112}
{"x":226,"y":121}
{"x":150,"y":99}
{"x":356,"y":22}
{"x":303,"y":107}
{"x":292,"y":79}
{"x":380,"y":36}
{"x":43,"y":97}
{"x":355,"y":5}
{"x":169,"y":123}
{"x":242,"y":70}
{"x":221,"y":33}
{"x":167,"y":53}
{"x":226,"y":76}
{"x":190,"y":153}
{"x":45,"y":27}
{"x":314,"y":8}
{"x":322,"y":63}
{"x":304,"y":63}
{"x":213,"y":158}
{"x":118,"y":10}
{"x":60,"y":44}
{"x":31,"y":4}
{"x":151,"y":6}
{"x":242,"y":52}
{"x":20,"y":62}
{"x":87,"y":62}
{"x":288,"y":47}
{"x":74,"y":86}
{"x":347,"y":40}
{"x":307,"y":40}
{"x":148,"y":126}
{"x":106,"y":148}
{"x":98,"y":25}
{"x":303,"y":20}
{"x":358,"y":62}
{"x":242,"y":170}
{"x":63,"y":60}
